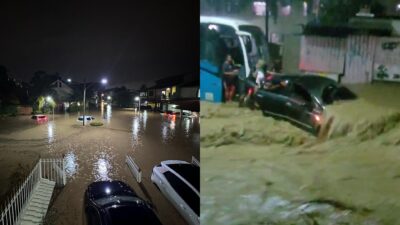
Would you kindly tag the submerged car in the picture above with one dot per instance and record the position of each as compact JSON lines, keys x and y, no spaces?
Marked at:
{"x":301,"y":99}
{"x":115,"y":203}
{"x":40,"y":118}
{"x":87,"y":118}
{"x":179,"y":182}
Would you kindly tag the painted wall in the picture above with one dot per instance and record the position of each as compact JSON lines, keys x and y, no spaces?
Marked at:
{"x":322,"y":54}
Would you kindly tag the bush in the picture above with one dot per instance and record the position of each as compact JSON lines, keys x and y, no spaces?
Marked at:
{"x":97,"y":123}
{"x":73,"y":108}
{"x":8,"y":110}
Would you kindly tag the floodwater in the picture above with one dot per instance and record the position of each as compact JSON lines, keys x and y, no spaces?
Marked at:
{"x":98,"y":153}
{"x":279,"y":174}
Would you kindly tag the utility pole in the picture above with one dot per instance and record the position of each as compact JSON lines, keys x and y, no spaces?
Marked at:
{"x":267,"y":7}
{"x":84,"y":101}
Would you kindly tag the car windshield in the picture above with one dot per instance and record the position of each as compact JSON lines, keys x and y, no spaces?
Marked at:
{"x":332,"y":93}
{"x":127,"y":215}
{"x":189,"y":172}
{"x":110,"y":199}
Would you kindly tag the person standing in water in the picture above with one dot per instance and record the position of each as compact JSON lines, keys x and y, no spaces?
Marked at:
{"x":229,"y":78}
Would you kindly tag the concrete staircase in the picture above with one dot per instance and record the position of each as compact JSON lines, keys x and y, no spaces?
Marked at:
{"x":37,"y":205}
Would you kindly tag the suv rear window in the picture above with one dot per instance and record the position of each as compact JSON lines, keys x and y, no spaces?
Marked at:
{"x":190,"y":172}
{"x":184,"y":191}
{"x":332,"y":93}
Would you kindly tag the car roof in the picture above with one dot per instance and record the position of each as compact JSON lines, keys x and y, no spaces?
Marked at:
{"x":235,"y":23}
{"x":314,"y":84}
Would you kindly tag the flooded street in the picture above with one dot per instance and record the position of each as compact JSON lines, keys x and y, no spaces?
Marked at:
{"x":279,"y":174}
{"x":98,"y":153}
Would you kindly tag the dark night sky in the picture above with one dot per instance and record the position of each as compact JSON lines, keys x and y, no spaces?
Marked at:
{"x":130,"y":43}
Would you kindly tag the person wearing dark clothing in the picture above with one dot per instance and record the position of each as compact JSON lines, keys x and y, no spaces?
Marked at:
{"x":229,"y":78}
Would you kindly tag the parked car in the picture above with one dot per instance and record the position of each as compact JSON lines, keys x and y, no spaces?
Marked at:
{"x":88,"y":118}
{"x":115,"y":203}
{"x":179,"y":182}
{"x":40,"y":118}
{"x":302,"y":99}
{"x":146,"y":107}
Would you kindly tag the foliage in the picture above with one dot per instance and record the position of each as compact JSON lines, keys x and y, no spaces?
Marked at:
{"x":96,"y":123}
{"x":8,"y":110}
{"x":382,"y":72}
{"x":340,"y":11}
{"x":74,"y":108}
{"x":122,"y":97}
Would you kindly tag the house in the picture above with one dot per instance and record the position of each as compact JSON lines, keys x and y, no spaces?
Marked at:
{"x":180,"y":90}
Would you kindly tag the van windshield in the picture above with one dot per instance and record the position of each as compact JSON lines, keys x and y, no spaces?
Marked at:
{"x":261,"y":51}
{"x":216,"y":41}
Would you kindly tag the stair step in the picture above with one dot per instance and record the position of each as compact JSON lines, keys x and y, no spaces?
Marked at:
{"x":30,"y":218}
{"x":37,"y":206}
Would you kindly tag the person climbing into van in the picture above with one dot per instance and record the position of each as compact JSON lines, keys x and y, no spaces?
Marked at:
{"x":230,"y":73}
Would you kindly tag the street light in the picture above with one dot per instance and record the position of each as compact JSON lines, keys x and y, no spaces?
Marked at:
{"x":137,"y":98}
{"x":49,"y":99}
{"x":108,"y":97}
{"x":69,"y":80}
{"x":104,"y":81}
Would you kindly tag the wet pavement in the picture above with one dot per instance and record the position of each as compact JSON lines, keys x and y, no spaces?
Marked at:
{"x":98,"y":153}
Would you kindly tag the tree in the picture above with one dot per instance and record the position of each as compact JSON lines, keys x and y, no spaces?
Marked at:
{"x":143,"y":87}
{"x":340,"y":11}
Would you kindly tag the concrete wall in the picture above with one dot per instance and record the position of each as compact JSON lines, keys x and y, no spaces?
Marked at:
{"x":291,"y":54}
{"x":24,"y":110}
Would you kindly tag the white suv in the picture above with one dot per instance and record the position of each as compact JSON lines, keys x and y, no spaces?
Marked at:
{"x":179,"y":181}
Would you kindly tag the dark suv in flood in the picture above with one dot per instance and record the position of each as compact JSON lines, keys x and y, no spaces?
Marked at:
{"x":115,"y":203}
{"x":301,"y":99}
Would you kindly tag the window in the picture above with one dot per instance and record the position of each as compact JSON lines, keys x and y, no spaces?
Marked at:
{"x":190,"y":172}
{"x":184,"y":191}
{"x":126,"y":214}
{"x":300,"y":94}
{"x":92,"y":216}
{"x":332,"y":93}
{"x":173,"y":90}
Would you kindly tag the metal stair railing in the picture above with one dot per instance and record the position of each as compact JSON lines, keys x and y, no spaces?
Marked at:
{"x":51,"y":169}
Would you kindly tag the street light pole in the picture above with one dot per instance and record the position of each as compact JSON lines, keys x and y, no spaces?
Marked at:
{"x":84,"y":101}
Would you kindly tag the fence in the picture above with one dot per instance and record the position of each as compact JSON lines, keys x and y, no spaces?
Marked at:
{"x":52,"y":169}
{"x":134,"y":168}
{"x":195,"y":161}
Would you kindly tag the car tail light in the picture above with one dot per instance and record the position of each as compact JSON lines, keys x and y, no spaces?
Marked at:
{"x":250,"y":91}
{"x":317,"y":118}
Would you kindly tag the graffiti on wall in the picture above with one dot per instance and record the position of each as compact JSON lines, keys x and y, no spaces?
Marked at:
{"x":387,"y":58}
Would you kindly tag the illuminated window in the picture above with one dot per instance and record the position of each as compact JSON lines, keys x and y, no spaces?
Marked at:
{"x":173,"y":90}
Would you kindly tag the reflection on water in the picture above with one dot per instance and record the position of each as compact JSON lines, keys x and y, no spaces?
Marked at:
{"x":50,"y":131}
{"x":108,"y":114}
{"x":71,"y":166}
{"x":144,"y":119}
{"x":187,"y":126}
{"x":102,"y":168}
{"x":168,"y":128}
{"x":139,"y":123}
{"x":135,"y":130}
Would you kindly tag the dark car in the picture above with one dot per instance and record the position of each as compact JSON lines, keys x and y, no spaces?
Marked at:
{"x":301,"y":99}
{"x":115,"y":203}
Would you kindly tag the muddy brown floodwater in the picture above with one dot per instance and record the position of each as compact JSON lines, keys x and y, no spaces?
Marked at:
{"x":98,"y":153}
{"x":257,"y":170}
